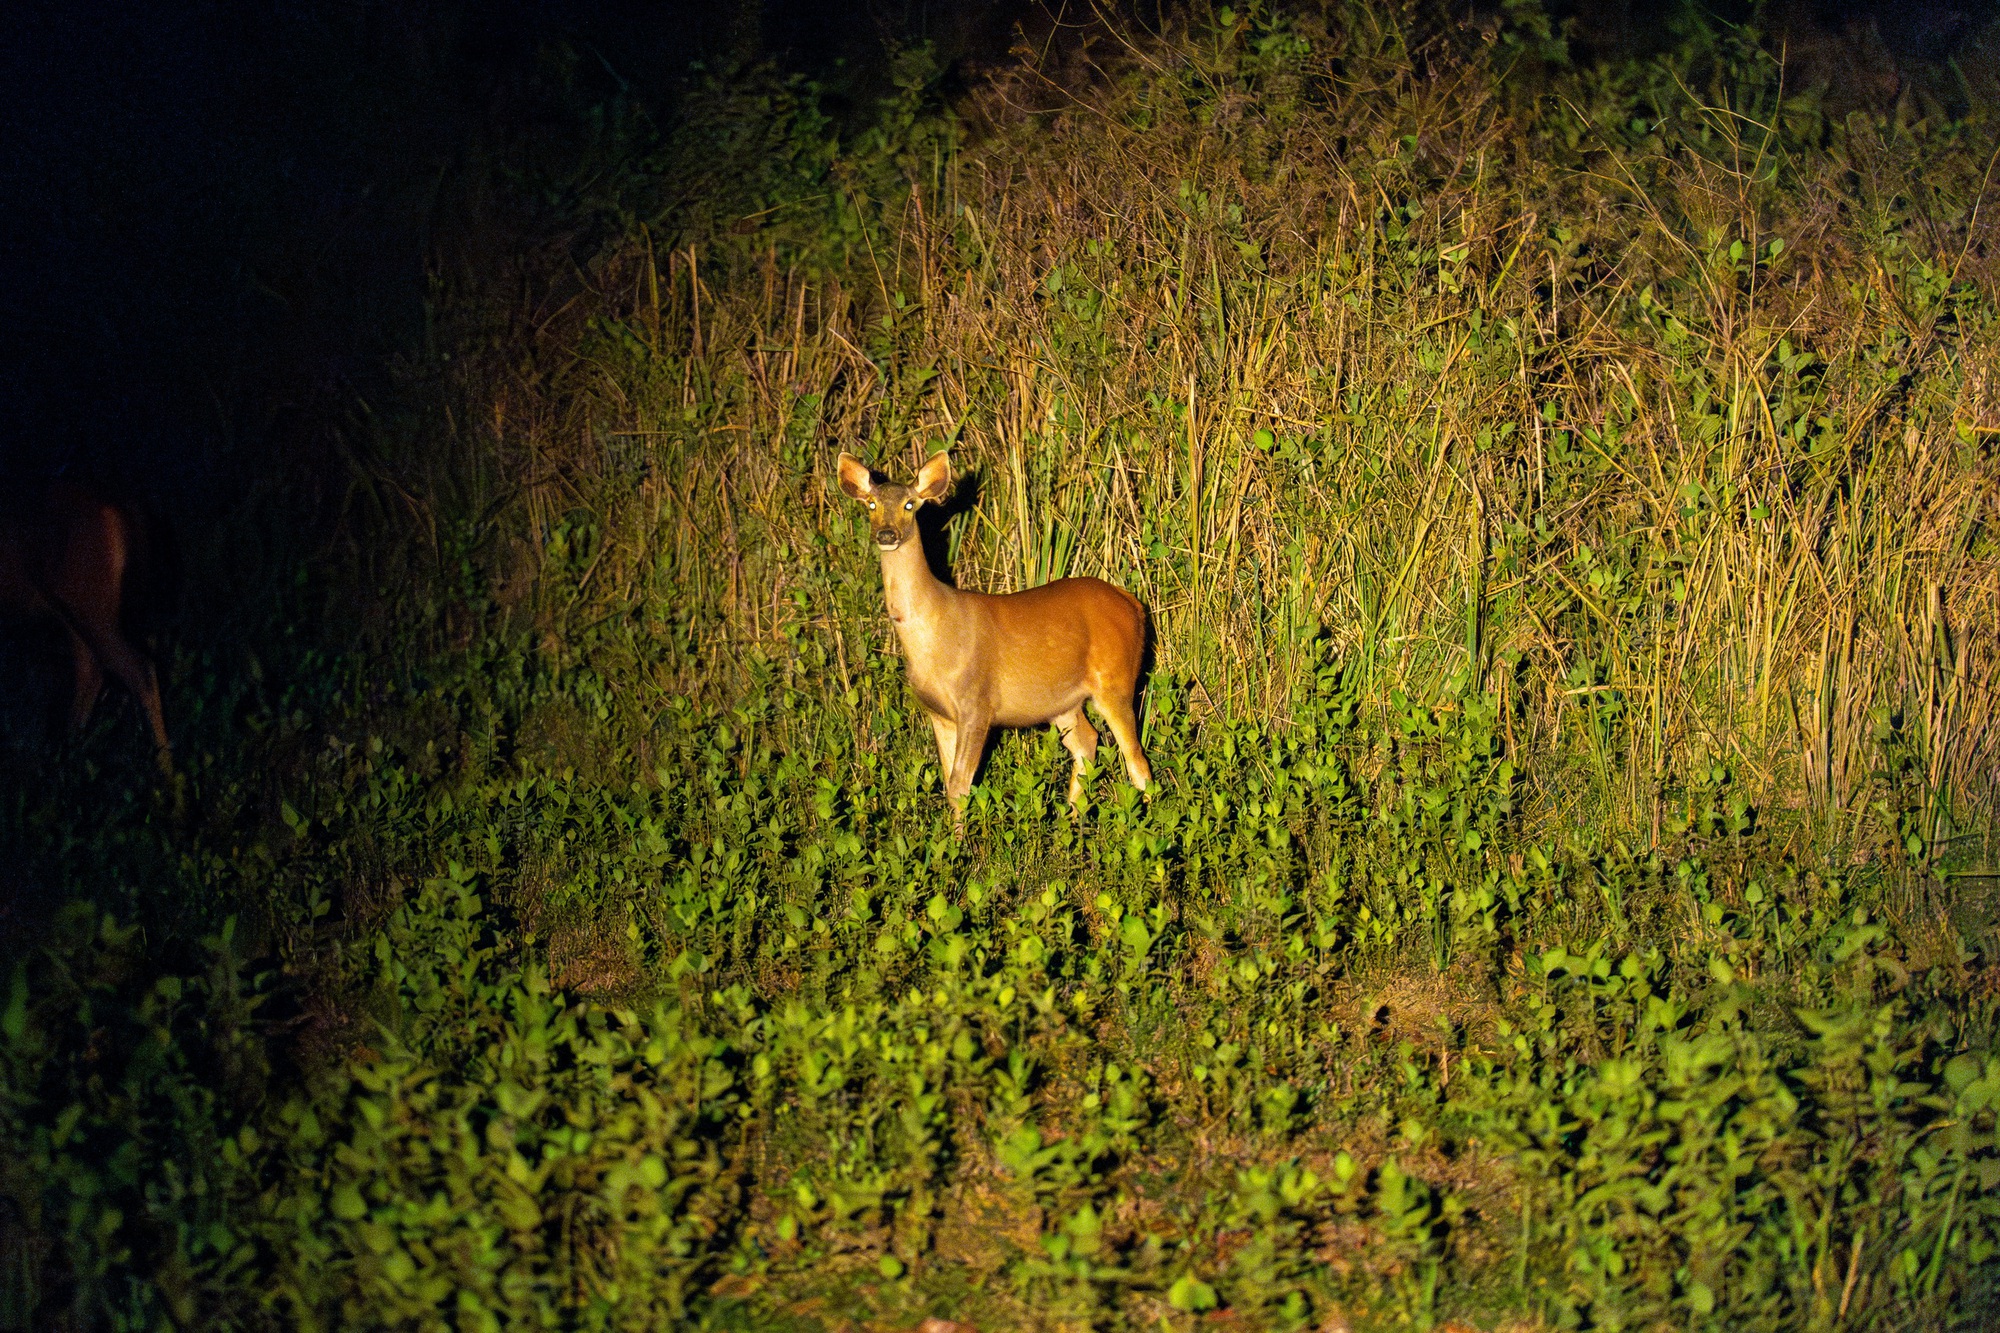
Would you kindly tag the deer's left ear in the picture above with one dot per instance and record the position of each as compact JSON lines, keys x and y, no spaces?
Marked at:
{"x":934,"y":478}
{"x":854,"y":478}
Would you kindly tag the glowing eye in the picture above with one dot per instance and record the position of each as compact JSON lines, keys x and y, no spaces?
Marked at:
{"x":909,"y":504}
{"x":871,"y":504}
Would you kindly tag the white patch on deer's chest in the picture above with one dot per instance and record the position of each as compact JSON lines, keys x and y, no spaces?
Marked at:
{"x":926,"y":662}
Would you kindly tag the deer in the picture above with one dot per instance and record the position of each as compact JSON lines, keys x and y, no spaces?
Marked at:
{"x":982,"y":660}
{"x":73,"y":558}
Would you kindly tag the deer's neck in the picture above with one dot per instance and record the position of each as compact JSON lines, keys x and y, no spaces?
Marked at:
{"x":916,"y":599}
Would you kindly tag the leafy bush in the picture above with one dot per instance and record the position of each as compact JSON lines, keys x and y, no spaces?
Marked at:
{"x":531,"y":1164}
{"x":122,"y":1090}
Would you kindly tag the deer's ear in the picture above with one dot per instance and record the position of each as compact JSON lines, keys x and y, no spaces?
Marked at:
{"x":854,"y":478}
{"x":934,"y":478}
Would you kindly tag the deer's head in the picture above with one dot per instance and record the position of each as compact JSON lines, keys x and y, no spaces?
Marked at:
{"x":892,"y":508}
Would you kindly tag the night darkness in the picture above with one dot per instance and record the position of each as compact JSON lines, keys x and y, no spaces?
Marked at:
{"x":220,"y":210}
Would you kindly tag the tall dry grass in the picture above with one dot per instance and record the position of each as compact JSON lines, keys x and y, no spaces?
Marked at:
{"x":1640,"y":400}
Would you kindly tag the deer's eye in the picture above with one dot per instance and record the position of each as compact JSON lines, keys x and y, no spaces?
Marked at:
{"x":909,"y":504}
{"x":871,"y":504}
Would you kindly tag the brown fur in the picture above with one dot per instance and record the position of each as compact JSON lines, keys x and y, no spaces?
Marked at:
{"x":980,"y":660}
{"x":72,"y":558}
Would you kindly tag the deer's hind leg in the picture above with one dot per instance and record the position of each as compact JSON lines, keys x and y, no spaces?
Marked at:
{"x":88,"y":681}
{"x":1117,"y":710}
{"x":138,"y":674}
{"x":134,"y":670}
{"x":1080,"y":739}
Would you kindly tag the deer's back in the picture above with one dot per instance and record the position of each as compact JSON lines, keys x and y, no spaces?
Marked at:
{"x":67,"y":543}
{"x":1086,"y":607}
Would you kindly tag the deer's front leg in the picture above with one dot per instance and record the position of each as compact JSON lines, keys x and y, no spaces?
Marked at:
{"x":946,"y":732}
{"x":971,"y":744}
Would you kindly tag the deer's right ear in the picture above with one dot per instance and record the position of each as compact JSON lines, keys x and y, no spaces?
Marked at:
{"x":854,"y":478}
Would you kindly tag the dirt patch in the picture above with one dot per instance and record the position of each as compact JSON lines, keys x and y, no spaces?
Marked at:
{"x":986,"y":1226}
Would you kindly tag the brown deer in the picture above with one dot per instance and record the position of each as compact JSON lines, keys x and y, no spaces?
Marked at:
{"x":980,"y":660}
{"x":72,"y":558}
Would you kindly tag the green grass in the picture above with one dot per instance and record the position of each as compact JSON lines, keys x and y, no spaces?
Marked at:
{"x":1563,"y":497}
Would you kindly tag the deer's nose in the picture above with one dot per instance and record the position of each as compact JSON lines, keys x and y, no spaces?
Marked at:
{"x":887,"y":539}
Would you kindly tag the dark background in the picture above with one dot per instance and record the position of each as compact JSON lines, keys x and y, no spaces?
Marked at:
{"x":219,"y":214}
{"x":220,"y":211}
